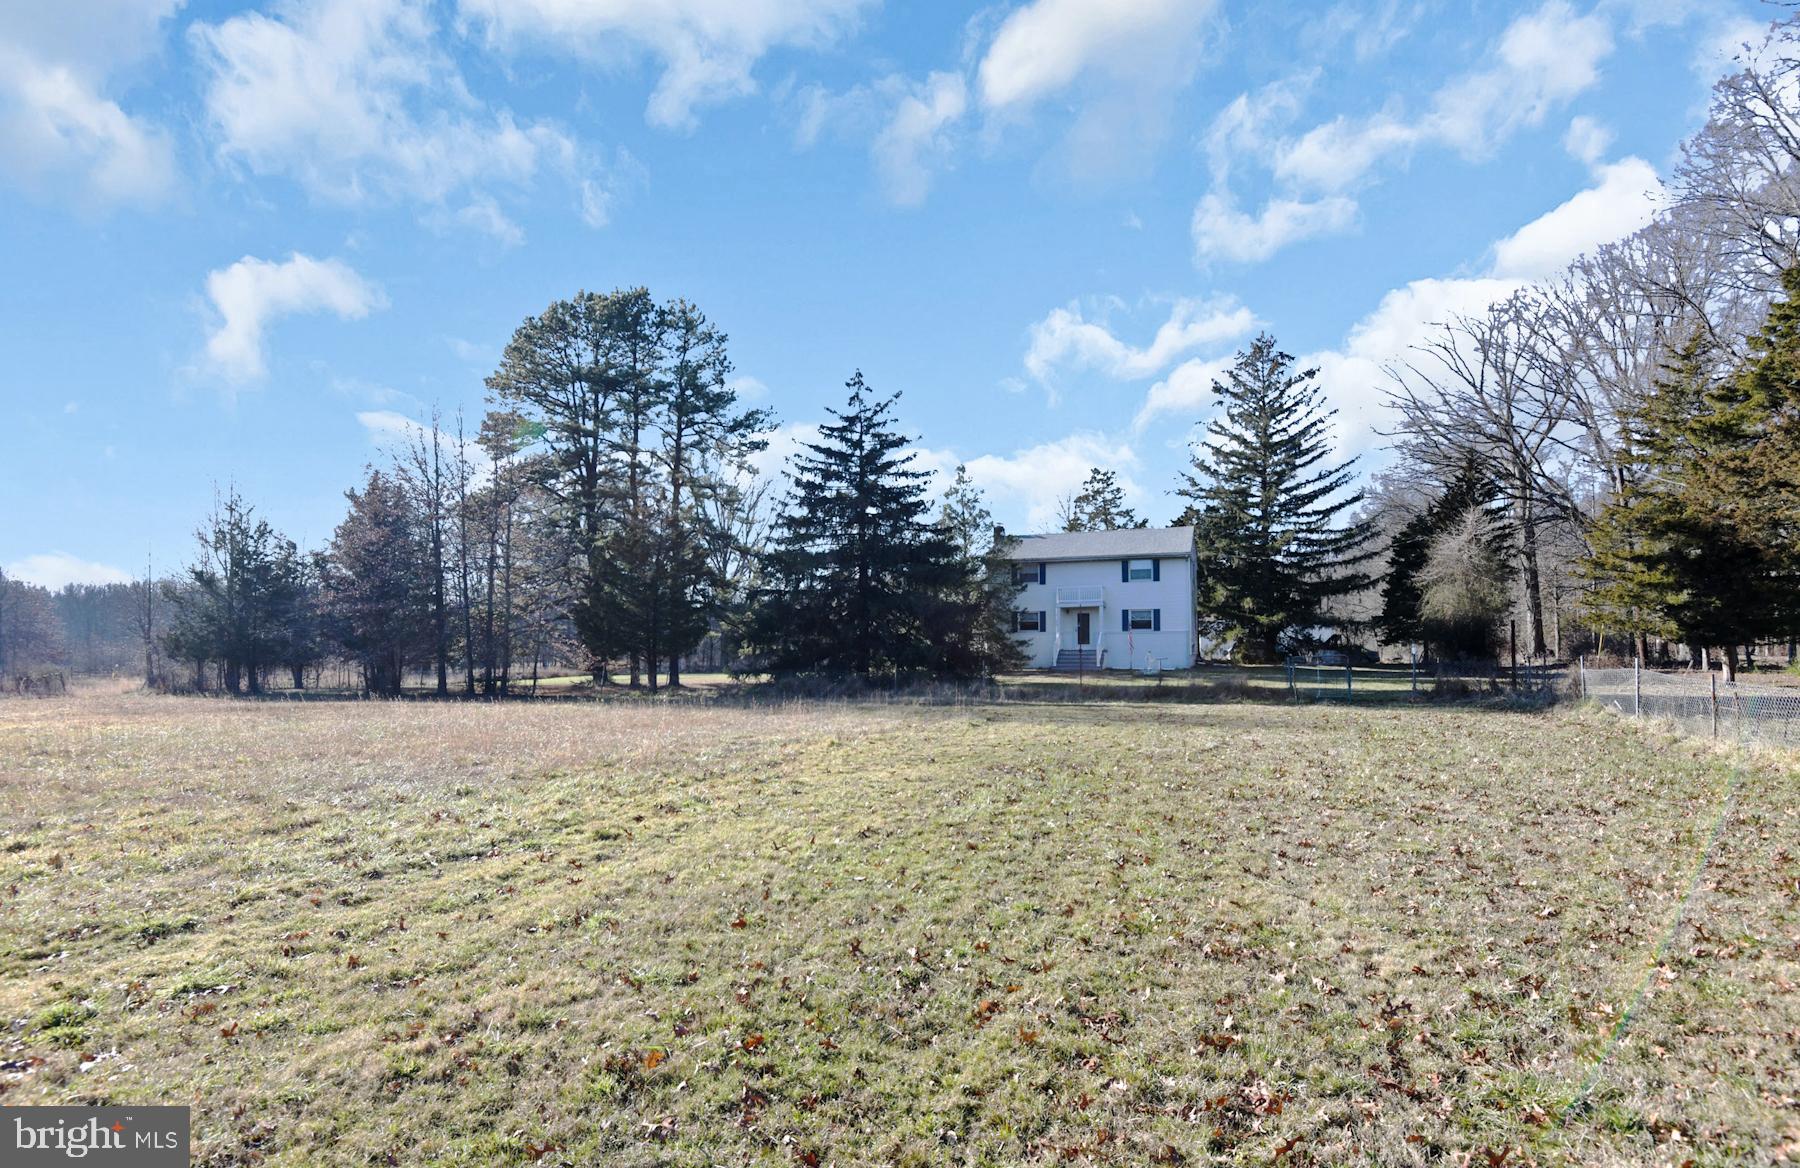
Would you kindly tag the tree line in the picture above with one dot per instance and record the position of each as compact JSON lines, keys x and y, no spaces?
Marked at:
{"x":603,"y":513}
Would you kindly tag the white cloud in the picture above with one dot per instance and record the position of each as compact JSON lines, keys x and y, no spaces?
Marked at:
{"x":1065,"y":338}
{"x":707,"y":48}
{"x":1543,"y":59}
{"x":1116,"y":65}
{"x":251,"y":293}
{"x":1626,"y":198}
{"x":389,"y":426}
{"x":747,"y":388}
{"x":482,"y":214}
{"x":1623,"y":199}
{"x":1023,"y":487}
{"x":1045,"y":46}
{"x":1222,"y":232}
{"x":1186,"y":390}
{"x":59,"y":122}
{"x":354,"y":98}
{"x":783,"y":443}
{"x":916,"y":137}
{"x":52,"y":570}
{"x":1249,"y":123}
{"x":1587,"y":140}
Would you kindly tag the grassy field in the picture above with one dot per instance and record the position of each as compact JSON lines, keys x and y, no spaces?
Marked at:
{"x":641,"y":933}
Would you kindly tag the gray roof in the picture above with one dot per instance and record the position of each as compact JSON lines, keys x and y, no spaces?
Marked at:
{"x":1139,"y":543}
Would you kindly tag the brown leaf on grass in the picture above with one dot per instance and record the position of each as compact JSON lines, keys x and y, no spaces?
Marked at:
{"x":228,"y":1031}
{"x":351,"y":961}
{"x":740,"y":922}
{"x":1286,"y":1146}
{"x":1496,"y":1159}
{"x":1028,"y":1037}
{"x":752,"y":1041}
{"x":653,"y":1059}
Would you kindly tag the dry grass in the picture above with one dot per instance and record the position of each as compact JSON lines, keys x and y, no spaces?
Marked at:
{"x":643,"y":933}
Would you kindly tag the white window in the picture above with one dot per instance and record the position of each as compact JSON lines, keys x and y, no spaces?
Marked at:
{"x":1028,"y":622}
{"x":1140,"y":618}
{"x":1142,"y":570}
{"x":1027,"y":573}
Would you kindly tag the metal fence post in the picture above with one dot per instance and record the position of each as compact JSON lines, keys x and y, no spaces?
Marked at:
{"x":1637,"y":687}
{"x":1581,"y":675}
{"x":1413,"y":653}
{"x":1347,"y":684}
{"x":1714,"y":678}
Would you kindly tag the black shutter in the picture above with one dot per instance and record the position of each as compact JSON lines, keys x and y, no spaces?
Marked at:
{"x":1156,"y":569}
{"x":1124,"y":620}
{"x":1124,"y":571}
{"x":1156,"y":620}
{"x":1043,"y":625}
{"x":1040,"y":573}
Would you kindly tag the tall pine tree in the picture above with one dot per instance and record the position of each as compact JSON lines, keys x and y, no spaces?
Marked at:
{"x":860,"y":580}
{"x":1100,"y":505}
{"x":1261,"y":493}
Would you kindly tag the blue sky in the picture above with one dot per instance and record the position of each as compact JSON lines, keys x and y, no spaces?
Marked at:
{"x":250,"y":245}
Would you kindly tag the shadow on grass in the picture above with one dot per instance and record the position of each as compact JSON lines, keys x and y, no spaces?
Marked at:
{"x":1205,"y":685}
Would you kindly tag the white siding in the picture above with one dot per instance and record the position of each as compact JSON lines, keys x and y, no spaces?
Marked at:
{"x":1173,"y":594}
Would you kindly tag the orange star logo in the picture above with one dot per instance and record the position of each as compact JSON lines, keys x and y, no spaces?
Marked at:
{"x":117,"y":1126}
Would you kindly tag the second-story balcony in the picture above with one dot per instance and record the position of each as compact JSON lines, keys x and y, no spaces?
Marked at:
{"x":1081,"y":596}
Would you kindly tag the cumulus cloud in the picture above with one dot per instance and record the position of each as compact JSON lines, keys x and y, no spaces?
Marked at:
{"x":354,"y":99}
{"x":53,"y":570}
{"x":1625,"y":198}
{"x":707,"y":48}
{"x":1186,"y":390}
{"x":60,"y":117}
{"x":1222,"y":232}
{"x":252,"y":293}
{"x":1065,"y":338}
{"x":1023,"y":487}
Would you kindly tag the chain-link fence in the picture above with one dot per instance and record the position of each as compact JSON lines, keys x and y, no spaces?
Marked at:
{"x":1699,"y":703}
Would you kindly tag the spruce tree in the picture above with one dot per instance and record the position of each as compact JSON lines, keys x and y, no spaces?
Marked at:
{"x":1270,"y":546}
{"x":1100,"y":505}
{"x":1702,"y":541}
{"x":859,"y":580}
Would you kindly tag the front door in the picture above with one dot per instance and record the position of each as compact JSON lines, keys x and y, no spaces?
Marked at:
{"x":1084,"y":628}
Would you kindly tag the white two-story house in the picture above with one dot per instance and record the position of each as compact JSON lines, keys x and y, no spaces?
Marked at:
{"x":1107,"y":599}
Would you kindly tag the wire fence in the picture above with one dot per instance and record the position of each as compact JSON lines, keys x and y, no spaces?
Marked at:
{"x":1699,"y":703}
{"x":1330,"y":676}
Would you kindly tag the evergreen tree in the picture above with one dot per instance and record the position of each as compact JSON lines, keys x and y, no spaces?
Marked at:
{"x":1100,"y":505}
{"x":1270,"y":549}
{"x":240,"y":597}
{"x":1702,"y":541}
{"x":1402,"y":619}
{"x":978,"y":637}
{"x":860,"y":580}
{"x":377,"y":584}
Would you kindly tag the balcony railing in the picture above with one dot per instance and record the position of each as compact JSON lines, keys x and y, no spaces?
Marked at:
{"x":1082,"y":596}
